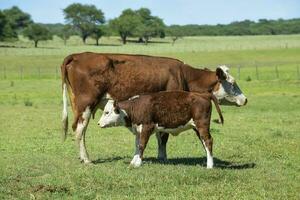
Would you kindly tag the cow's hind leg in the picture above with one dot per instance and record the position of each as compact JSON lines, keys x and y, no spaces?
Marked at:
{"x":81,"y":122}
{"x":207,"y":141}
{"x":162,"y":139}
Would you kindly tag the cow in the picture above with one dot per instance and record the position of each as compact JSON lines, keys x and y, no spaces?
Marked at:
{"x":167,"y":112}
{"x":91,"y":79}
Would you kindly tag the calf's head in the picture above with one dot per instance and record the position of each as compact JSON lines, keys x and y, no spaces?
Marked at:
{"x":112,"y":115}
{"x":227,"y":87}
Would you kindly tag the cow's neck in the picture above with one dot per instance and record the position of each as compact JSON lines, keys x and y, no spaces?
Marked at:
{"x":199,"y":80}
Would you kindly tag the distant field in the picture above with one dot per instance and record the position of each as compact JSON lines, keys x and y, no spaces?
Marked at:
{"x":257,"y":151}
{"x":265,"y":52}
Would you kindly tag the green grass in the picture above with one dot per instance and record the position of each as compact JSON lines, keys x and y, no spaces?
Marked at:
{"x":257,"y":151}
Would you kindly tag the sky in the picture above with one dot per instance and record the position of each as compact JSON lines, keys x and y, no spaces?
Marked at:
{"x":171,"y":11}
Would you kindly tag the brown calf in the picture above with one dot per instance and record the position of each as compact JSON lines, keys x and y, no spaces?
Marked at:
{"x":167,"y":112}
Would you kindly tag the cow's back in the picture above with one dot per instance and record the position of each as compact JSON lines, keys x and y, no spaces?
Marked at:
{"x":123,"y":76}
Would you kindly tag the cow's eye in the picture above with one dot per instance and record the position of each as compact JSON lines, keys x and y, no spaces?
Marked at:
{"x":106,"y":113}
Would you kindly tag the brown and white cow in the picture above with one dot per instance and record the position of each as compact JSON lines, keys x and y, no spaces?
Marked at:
{"x":91,"y":79}
{"x":168,"y":112}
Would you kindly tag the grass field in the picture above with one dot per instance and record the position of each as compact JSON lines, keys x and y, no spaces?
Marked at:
{"x":257,"y":151}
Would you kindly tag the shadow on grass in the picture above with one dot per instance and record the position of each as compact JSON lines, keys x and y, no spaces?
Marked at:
{"x":105,"y":45}
{"x":106,"y":160}
{"x":221,"y":164}
{"x":22,"y":47}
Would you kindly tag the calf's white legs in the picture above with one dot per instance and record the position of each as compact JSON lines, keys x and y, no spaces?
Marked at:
{"x":136,"y":160}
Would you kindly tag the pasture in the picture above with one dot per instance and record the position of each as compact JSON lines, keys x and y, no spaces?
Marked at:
{"x":256,"y":152}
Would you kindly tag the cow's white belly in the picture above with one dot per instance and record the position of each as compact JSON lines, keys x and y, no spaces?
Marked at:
{"x":177,"y":130}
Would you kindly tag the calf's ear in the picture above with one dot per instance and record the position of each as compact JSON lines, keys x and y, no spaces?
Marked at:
{"x":220,"y":74}
{"x":116,"y":107}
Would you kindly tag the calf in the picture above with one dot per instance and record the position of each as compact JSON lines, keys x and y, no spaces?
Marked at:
{"x":168,"y":112}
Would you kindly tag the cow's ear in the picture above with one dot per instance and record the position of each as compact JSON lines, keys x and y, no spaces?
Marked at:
{"x":220,"y":74}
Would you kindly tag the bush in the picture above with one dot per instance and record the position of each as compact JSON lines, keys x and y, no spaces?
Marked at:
{"x":27,"y":102}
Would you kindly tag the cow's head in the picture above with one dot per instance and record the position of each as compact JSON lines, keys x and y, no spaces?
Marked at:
{"x":112,"y":115}
{"x":227,"y":87}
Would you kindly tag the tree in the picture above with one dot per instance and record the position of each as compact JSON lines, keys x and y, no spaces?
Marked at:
{"x":126,"y":24}
{"x":36,"y":33}
{"x":3,"y":23}
{"x":175,"y":32}
{"x":66,"y":33}
{"x":16,"y":20}
{"x":151,"y":26}
{"x":98,"y":32}
{"x":84,"y":18}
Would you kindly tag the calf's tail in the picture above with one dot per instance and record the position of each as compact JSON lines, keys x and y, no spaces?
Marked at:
{"x":215,"y":100}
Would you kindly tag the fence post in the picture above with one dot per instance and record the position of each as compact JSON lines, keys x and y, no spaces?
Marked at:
{"x":39,"y":72}
{"x":21,"y":72}
{"x":276,"y":70}
{"x":256,"y":69}
{"x":4,"y":72}
{"x":298,"y":72}
{"x":239,"y":72}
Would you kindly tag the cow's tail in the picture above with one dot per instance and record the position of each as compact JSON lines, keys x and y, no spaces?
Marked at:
{"x":215,"y":100}
{"x":65,"y":97}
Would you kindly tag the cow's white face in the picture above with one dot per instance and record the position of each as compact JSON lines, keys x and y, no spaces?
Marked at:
{"x":112,"y":116}
{"x":227,"y":88}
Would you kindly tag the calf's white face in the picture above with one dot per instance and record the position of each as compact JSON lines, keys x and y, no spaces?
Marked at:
{"x":228,"y":88}
{"x":112,"y":116}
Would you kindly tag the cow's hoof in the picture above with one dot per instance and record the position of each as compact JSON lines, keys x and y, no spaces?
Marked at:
{"x":162,"y":159}
{"x":136,"y":162}
{"x":209,"y":166}
{"x":86,"y":161}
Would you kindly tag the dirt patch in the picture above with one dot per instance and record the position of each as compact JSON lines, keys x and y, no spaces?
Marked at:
{"x":50,"y":188}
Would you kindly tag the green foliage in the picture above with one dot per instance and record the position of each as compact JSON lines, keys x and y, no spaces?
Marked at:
{"x":16,"y":21}
{"x":3,"y":23}
{"x":98,"y":32}
{"x":36,"y":33}
{"x":17,"y":18}
{"x":246,"y":27}
{"x":126,"y":24}
{"x":175,"y":32}
{"x":138,"y":23}
{"x":66,"y":32}
{"x":150,"y":26}
{"x":84,"y":18}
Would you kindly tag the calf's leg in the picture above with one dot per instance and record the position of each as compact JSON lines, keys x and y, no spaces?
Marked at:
{"x":207,"y":142}
{"x":142,"y":143}
{"x":136,"y":161}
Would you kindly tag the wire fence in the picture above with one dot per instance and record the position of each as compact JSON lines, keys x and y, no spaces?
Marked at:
{"x":240,"y":73}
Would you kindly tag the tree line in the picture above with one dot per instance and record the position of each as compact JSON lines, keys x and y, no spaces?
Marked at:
{"x":89,"y":21}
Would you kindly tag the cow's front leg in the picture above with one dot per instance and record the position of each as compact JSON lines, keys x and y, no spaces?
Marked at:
{"x":136,"y":160}
{"x":162,"y":139}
